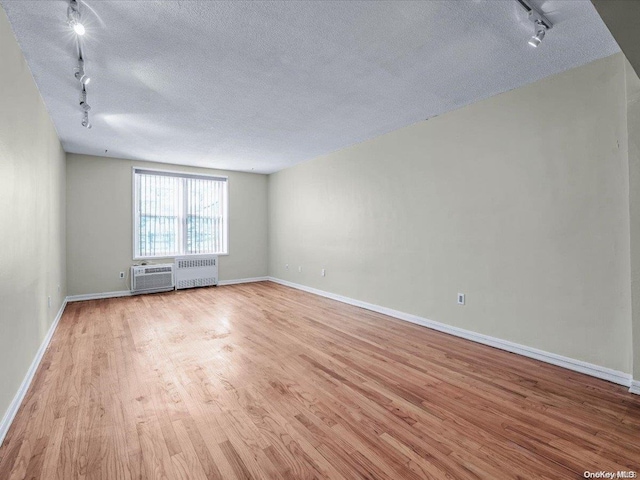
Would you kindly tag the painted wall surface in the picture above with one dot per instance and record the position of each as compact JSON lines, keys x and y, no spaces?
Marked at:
{"x":32,"y":222}
{"x":100,"y":224}
{"x":621,"y":18}
{"x":520,"y":201}
{"x":633,"y":130}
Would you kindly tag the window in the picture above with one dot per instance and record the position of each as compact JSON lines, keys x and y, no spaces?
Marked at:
{"x":178,"y":214}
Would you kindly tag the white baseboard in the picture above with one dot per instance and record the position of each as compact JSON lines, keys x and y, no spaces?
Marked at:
{"x":591,"y":369}
{"x":97,"y":296}
{"x":14,"y":406}
{"x":242,"y":280}
{"x":635,"y":387}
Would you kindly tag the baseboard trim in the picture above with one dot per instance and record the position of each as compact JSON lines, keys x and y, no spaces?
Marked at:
{"x":222,"y":283}
{"x":635,"y":387}
{"x":591,"y":369}
{"x":98,"y":296}
{"x":14,"y":406}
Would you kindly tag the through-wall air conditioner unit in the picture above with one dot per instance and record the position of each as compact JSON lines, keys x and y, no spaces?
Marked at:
{"x":152,"y":278}
{"x":196,"y":271}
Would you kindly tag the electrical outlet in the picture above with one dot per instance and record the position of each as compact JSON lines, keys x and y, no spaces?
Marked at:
{"x":286,"y":267}
{"x":121,"y":274}
{"x":461,"y":299}
{"x":300,"y":269}
{"x":322,"y":272}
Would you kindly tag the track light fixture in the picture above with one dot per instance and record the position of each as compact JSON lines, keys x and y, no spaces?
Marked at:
{"x":85,"y":108}
{"x":85,"y":120}
{"x":83,"y":101}
{"x":73,"y":17}
{"x":80,"y":74}
{"x":541,"y":30}
{"x":542,"y":23}
{"x":79,"y":29}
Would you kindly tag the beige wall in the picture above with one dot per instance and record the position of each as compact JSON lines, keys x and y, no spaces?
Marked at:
{"x":32,"y":234}
{"x":99,"y":223}
{"x":520,"y":201}
{"x":633,"y":130}
{"x":621,"y":18}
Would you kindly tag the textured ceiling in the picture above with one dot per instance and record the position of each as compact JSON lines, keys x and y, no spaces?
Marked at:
{"x":263,"y":85}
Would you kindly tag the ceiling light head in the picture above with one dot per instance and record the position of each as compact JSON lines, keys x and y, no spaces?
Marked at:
{"x":79,"y":29}
{"x":80,"y":74}
{"x":83,"y":78}
{"x":83,"y":100}
{"x":541,"y":30}
{"x":539,"y":20}
{"x":85,"y":120}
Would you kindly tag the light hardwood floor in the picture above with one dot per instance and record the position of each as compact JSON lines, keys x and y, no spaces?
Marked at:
{"x":263,"y":381}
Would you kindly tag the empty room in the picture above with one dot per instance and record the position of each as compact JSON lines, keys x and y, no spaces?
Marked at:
{"x":328,"y":239}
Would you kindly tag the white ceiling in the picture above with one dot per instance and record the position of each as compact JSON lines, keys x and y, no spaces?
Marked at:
{"x":262,"y":85}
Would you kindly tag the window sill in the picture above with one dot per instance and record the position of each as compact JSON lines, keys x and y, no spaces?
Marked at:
{"x":137,"y":259}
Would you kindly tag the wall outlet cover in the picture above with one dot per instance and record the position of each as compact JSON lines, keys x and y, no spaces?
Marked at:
{"x":461,"y":299}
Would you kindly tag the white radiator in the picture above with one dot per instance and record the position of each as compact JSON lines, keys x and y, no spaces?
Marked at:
{"x":196,"y":271}
{"x":152,"y":278}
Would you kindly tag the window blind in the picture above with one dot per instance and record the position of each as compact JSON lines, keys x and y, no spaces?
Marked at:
{"x":179,"y":214}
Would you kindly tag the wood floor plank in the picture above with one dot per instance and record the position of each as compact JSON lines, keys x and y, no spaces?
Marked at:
{"x":190,"y":463}
{"x":51,"y":463}
{"x":262,"y":381}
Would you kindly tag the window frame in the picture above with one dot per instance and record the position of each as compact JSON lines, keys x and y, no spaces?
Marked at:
{"x":182,"y":174}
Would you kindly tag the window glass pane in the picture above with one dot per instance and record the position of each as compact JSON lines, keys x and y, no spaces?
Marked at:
{"x":205,"y":230}
{"x":158,"y":216}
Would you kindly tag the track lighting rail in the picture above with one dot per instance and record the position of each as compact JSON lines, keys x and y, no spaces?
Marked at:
{"x":74,"y":19}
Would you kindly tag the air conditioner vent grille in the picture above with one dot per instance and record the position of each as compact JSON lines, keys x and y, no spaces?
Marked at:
{"x":157,"y":269}
{"x":152,"y":278}
{"x":147,"y":282}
